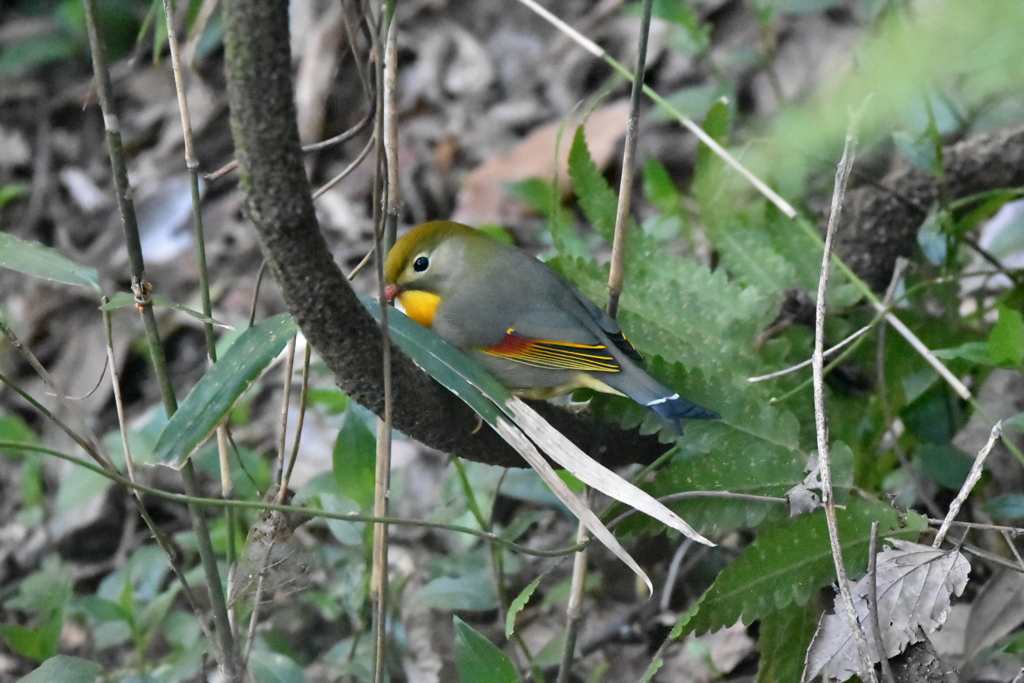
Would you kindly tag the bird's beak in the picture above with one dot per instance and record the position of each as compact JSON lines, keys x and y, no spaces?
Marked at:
{"x":391,"y":292}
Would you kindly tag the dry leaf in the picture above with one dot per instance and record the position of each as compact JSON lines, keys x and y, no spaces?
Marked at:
{"x":914,"y":584}
{"x":484,"y":197}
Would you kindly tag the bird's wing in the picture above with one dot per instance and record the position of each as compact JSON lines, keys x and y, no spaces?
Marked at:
{"x":551,"y":337}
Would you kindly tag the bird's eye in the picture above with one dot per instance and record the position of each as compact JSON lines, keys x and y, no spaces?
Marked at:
{"x":421,"y":264}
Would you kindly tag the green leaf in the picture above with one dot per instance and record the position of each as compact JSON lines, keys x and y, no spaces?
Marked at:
{"x":273,"y":667}
{"x":783,"y":642}
{"x":932,"y":238}
{"x":944,"y":463}
{"x":660,"y":189}
{"x":799,"y":6}
{"x":789,"y":562}
{"x":37,"y":50}
{"x":470,"y":592}
{"x":125,"y":299}
{"x":518,"y":604}
{"x":355,"y":460}
{"x":32,"y":258}
{"x":478,"y":660}
{"x":1006,"y":341}
{"x":12,"y":191}
{"x":1016,"y":423}
{"x":1005,"y":508}
{"x":213,"y":396}
{"x":918,"y":149}
{"x":974,"y":352}
{"x":64,"y":669}
{"x":596,"y":197}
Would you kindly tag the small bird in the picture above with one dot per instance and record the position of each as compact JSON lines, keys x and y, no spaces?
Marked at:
{"x":524,"y":323}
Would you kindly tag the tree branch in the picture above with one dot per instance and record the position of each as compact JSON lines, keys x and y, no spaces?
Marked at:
{"x":278,"y":202}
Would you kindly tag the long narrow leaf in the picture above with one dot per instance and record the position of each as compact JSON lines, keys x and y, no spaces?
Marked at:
{"x":36,"y":259}
{"x":215,"y":394}
{"x":521,"y":427}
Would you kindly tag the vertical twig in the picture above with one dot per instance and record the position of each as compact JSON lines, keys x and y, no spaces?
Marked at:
{"x":574,"y":610}
{"x":616,"y":278}
{"x":617,"y":274}
{"x":386,"y":215}
{"x":142,"y":290}
{"x":820,"y":419}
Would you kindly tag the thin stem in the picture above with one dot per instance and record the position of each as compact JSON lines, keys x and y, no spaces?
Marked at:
{"x":574,"y":610}
{"x":388,"y":198}
{"x":972,"y":478}
{"x":616,"y":276}
{"x":820,"y":419}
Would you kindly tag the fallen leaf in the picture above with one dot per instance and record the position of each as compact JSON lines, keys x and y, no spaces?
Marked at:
{"x":484,"y":196}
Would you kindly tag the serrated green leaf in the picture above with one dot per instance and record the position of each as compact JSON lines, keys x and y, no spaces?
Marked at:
{"x":478,"y":660}
{"x":32,"y":258}
{"x":1006,"y":341}
{"x":518,"y":604}
{"x":213,"y":396}
{"x":355,"y":460}
{"x":789,"y":562}
{"x":752,"y":259}
{"x":597,"y":199}
{"x":659,"y":188}
{"x":783,"y":641}
{"x":64,"y":669}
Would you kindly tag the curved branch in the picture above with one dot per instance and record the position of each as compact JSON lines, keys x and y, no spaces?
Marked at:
{"x":278,"y":202}
{"x":880,"y":223}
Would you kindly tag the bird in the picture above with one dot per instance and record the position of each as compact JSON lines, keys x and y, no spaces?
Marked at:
{"x":523,"y":322}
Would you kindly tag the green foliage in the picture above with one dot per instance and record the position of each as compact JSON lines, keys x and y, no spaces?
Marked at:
{"x":783,"y":642}
{"x":789,"y":562}
{"x":64,"y":669}
{"x":478,"y":660}
{"x":215,"y":394}
{"x":32,"y":258}
{"x":518,"y":604}
{"x":355,"y":458}
{"x":45,"y":594}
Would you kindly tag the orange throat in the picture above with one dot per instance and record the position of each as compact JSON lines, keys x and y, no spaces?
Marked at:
{"x":420,"y":306}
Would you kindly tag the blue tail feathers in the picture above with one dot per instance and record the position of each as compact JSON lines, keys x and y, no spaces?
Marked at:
{"x":673,"y":410}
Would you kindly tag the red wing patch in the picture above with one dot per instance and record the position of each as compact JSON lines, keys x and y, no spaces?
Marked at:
{"x":554,"y":355}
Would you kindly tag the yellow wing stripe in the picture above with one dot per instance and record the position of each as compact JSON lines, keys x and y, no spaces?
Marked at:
{"x":554,"y":355}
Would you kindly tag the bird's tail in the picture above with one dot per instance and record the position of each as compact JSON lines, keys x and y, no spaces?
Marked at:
{"x":673,"y":410}
{"x":669,"y":406}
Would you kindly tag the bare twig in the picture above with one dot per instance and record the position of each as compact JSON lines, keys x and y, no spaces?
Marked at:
{"x":312,"y":147}
{"x":596,"y":50}
{"x":386,"y":196}
{"x":574,"y":609}
{"x":617,"y":274}
{"x":972,"y":479}
{"x":820,"y":419}
{"x":804,"y":364}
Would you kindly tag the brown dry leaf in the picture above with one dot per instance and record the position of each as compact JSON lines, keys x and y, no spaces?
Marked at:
{"x":915,"y":583}
{"x":484,"y":197}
